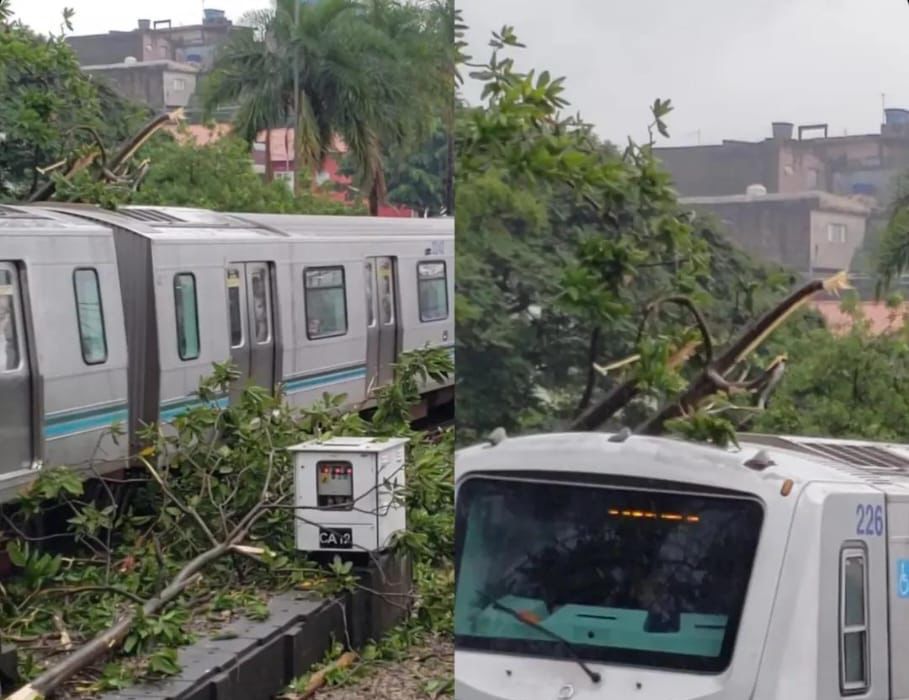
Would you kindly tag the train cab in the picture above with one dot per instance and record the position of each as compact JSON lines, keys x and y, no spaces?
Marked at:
{"x":597,"y":566}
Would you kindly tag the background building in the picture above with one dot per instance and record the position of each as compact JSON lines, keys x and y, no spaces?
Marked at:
{"x":162,"y":85}
{"x":813,"y":232}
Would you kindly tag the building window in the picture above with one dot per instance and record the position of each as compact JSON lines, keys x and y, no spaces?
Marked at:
{"x":433,"y":291}
{"x":853,"y":621}
{"x":187,"y":314}
{"x":325,"y":300}
{"x":178,"y":84}
{"x":90,"y":316}
{"x":836,"y":233}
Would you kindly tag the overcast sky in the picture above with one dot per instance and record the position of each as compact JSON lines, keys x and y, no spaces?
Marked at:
{"x":729,"y":67}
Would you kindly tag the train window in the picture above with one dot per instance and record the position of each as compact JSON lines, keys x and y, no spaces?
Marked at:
{"x":261,"y":306}
{"x":9,"y":341}
{"x":370,"y":282}
{"x":187,"y":314}
{"x":326,"y":302}
{"x":853,"y":621}
{"x":433,"y":291}
{"x":233,"y":304}
{"x":386,"y":293}
{"x":90,"y":316}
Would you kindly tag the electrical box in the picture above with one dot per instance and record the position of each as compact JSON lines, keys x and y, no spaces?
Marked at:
{"x":345,"y":493}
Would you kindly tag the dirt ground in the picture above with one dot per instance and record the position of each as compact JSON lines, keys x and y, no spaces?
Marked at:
{"x":411,"y":679}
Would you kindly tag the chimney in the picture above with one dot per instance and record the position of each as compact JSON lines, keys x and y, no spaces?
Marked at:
{"x":782,"y":131}
{"x":144,"y":25}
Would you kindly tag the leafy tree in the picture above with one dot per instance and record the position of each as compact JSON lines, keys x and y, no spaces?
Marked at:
{"x":853,"y":386}
{"x":217,"y":175}
{"x":563,"y":243}
{"x":50,"y":108}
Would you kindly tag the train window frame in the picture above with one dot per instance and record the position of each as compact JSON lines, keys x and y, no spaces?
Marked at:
{"x":240,"y":296}
{"x":343,"y":288}
{"x":79,"y":324}
{"x":420,"y":281}
{"x":187,"y":358}
{"x":265,"y":269}
{"x":849,"y":551}
{"x":15,"y":339}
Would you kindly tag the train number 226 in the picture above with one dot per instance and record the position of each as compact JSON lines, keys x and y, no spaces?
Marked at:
{"x":869,"y":520}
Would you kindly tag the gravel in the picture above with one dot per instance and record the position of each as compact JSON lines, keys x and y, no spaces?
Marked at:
{"x":410,"y":679}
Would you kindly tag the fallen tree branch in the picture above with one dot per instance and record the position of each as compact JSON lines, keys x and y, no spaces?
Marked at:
{"x":751,"y":338}
{"x":119,"y":159}
{"x":625,"y":392}
{"x":318,"y":679}
{"x":112,"y":637}
{"x":598,"y":414}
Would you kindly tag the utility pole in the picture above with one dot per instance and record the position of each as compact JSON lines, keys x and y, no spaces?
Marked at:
{"x":296,"y":69}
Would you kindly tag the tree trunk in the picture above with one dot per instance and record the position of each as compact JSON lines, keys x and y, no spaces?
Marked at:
{"x":450,"y":165}
{"x":269,"y":165}
{"x":297,"y":149}
{"x":374,"y":200}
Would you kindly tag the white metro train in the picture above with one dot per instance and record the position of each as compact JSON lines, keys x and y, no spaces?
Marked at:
{"x":591,"y":566}
{"x":116,"y":316}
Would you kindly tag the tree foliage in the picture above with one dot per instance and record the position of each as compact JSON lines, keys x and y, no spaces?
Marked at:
{"x":366,"y":71}
{"x":562,"y":243}
{"x":216,"y":493}
{"x":850,"y":386}
{"x":50,"y":109}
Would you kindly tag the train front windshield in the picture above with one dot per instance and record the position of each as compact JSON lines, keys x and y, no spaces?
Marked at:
{"x":623,"y":575}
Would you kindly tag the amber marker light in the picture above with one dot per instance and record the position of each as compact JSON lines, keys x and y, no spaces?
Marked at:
{"x":786,"y":488}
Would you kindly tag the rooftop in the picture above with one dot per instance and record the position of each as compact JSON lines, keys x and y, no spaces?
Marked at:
{"x":146,"y":65}
{"x":825,"y":200}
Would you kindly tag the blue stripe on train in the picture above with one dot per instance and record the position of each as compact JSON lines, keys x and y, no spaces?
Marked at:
{"x":63,"y":423}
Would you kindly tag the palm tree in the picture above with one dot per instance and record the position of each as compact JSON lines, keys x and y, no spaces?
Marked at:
{"x":251,"y":72}
{"x":356,"y":80}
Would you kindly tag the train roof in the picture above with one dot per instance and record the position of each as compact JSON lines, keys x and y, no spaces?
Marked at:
{"x":20,"y":219}
{"x":189,"y":223}
{"x":883,"y":465}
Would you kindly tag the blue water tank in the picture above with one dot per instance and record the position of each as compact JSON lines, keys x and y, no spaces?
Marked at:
{"x":896,"y":116}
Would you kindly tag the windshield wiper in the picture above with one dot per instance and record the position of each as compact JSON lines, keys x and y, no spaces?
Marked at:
{"x":568,"y":646}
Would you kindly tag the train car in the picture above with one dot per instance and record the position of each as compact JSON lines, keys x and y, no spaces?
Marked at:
{"x":607,"y":566}
{"x":63,"y":354}
{"x":312,"y":304}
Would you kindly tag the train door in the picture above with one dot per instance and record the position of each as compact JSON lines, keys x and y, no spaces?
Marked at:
{"x":15,"y":376}
{"x":898,"y":588}
{"x":382,"y":320}
{"x":251,"y":324}
{"x":372,"y":323}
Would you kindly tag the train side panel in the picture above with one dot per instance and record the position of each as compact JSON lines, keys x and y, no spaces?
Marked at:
{"x":72,"y":343}
{"x":835,"y":557}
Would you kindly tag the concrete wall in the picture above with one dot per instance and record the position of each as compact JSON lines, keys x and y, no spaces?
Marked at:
{"x":721,"y":170}
{"x":836,"y":254}
{"x":778,"y":231}
{"x":102,"y":49}
{"x":153,"y":85}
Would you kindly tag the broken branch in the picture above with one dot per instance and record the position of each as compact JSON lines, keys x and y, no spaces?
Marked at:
{"x":751,"y":338}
